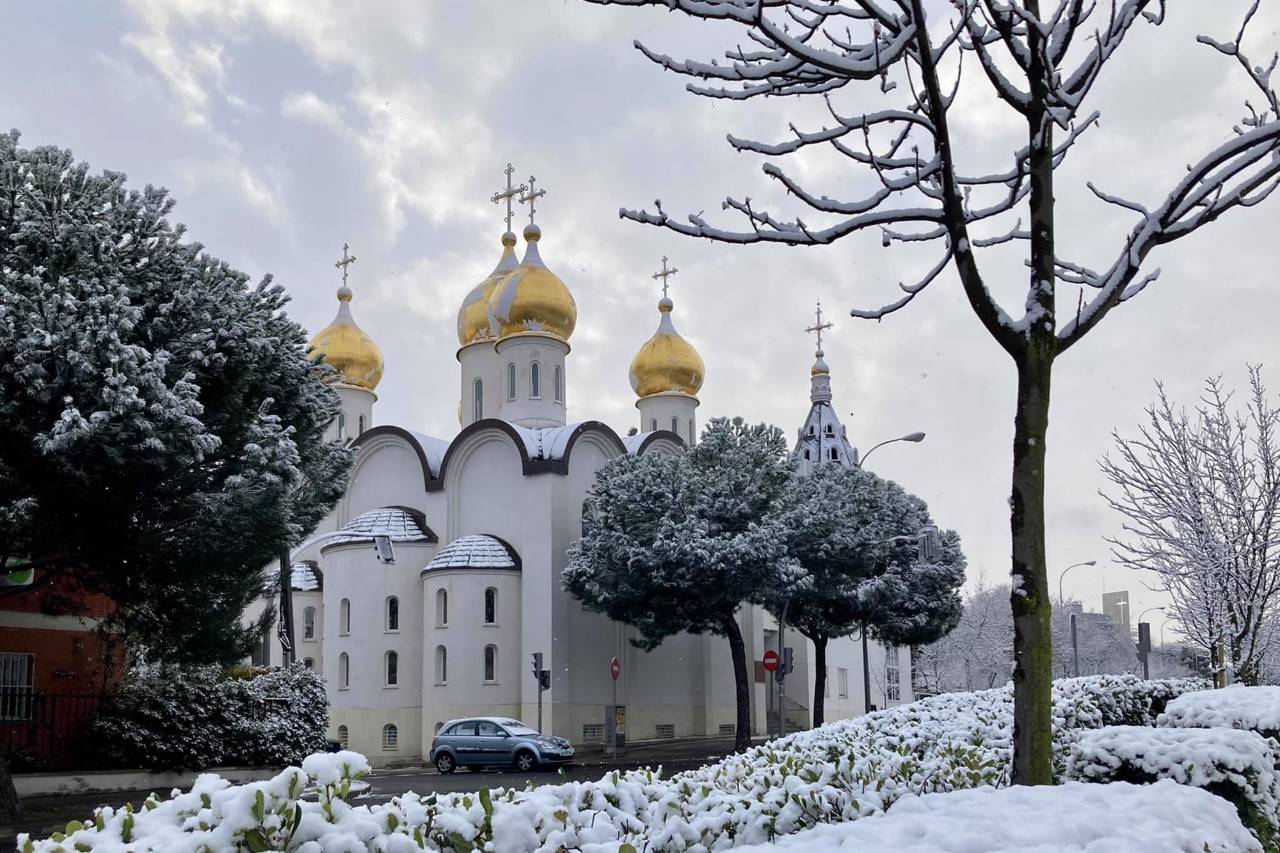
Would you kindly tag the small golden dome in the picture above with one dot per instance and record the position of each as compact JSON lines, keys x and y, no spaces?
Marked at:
{"x":667,"y":362}
{"x":473,"y":316}
{"x":531,"y":298}
{"x":346,"y":347}
{"x":820,"y":367}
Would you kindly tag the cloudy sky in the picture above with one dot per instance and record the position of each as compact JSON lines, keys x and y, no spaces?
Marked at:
{"x":286,"y":128}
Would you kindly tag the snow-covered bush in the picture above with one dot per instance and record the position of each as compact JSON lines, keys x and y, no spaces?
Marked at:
{"x":1238,"y":765}
{"x":1069,"y":818}
{"x":179,"y":718}
{"x":1238,"y":707}
{"x":840,"y":772}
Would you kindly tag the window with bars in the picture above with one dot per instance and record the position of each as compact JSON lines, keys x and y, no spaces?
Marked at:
{"x":17,"y":672}
{"x":592,"y":732}
{"x":390,"y":738}
{"x":664,"y":730}
{"x":344,"y":736}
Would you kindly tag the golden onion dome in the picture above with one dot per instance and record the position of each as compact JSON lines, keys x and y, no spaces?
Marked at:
{"x":346,"y":347}
{"x":473,"y":316}
{"x":531,"y":298}
{"x":820,"y":367}
{"x":667,"y":363}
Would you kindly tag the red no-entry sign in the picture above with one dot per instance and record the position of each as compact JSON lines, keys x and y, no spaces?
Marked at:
{"x":615,"y":668}
{"x":770,"y":660}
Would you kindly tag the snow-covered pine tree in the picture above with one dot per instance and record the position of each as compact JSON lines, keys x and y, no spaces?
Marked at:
{"x":886,"y":78}
{"x":839,"y":524}
{"x":161,"y":425}
{"x":678,"y":542}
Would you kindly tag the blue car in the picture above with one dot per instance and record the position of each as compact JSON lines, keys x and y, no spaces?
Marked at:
{"x":481,"y":742}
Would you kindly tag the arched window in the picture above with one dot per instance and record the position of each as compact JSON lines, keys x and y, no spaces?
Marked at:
{"x":675,"y":426}
{"x":834,"y":455}
{"x":477,"y":401}
{"x":344,"y":736}
{"x":535,"y":381}
{"x":344,"y":671}
{"x":511,"y":380}
{"x":830,"y":430}
{"x":309,"y":623}
{"x":490,"y":606}
{"x":442,"y":665}
{"x":361,"y":425}
{"x":559,"y":385}
{"x":309,"y":663}
{"x":806,"y":454}
{"x":653,"y":424}
{"x":811,"y":430}
{"x":390,"y":738}
{"x":344,"y":616}
{"x":393,"y":613}
{"x":392,"y":669}
{"x":442,"y":608}
{"x":342,"y":425}
{"x":692,"y":436}
{"x":491,"y":663}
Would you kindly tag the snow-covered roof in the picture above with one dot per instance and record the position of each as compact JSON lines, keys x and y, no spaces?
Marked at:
{"x":546,"y":442}
{"x":433,"y":447}
{"x":633,"y":443}
{"x":476,"y":551}
{"x":304,"y":578}
{"x":399,"y":523}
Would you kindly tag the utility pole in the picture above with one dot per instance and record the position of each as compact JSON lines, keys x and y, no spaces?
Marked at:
{"x":543,"y":677}
{"x":1075,"y":648}
{"x":284,"y":628}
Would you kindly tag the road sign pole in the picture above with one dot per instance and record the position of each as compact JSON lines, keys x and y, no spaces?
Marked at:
{"x":615,"y":670}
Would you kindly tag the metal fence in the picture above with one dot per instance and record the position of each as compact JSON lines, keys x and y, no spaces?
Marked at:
{"x":41,"y":730}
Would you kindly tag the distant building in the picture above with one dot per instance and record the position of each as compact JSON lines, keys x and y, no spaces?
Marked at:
{"x":1116,"y":606}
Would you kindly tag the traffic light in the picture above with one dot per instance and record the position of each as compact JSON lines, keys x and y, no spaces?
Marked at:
{"x":930,"y":544}
{"x":537,"y":666}
{"x":787,"y":663}
{"x":544,"y":679}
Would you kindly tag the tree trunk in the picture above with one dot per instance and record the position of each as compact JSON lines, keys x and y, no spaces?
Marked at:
{"x":1032,"y":610}
{"x":819,"y":680}
{"x":10,"y":807}
{"x":741,"y":683}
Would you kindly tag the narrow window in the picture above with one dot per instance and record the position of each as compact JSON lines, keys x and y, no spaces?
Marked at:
{"x":892,"y":675}
{"x":653,"y":425}
{"x":17,"y":671}
{"x":692,"y":437}
{"x":342,"y":425}
{"x":535,"y":381}
{"x":834,"y":455}
{"x":442,"y":665}
{"x":361,"y":426}
{"x":390,"y":738}
{"x":344,"y":671}
{"x":811,"y":431}
{"x":806,"y":453}
{"x":675,"y":426}
{"x":344,"y":616}
{"x":393,"y":613}
{"x":511,"y":380}
{"x":844,"y":683}
{"x":309,"y":663}
{"x":344,"y":736}
{"x":393,"y":669}
{"x":490,"y":606}
{"x":490,"y":663}
{"x":309,"y":623}
{"x":558,"y":385}
{"x":477,"y":400}
{"x":442,"y":608}
{"x":826,"y":682}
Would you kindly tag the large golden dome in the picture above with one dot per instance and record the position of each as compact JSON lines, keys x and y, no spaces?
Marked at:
{"x":346,"y":347}
{"x":473,"y":315}
{"x":531,"y":298}
{"x":667,"y":363}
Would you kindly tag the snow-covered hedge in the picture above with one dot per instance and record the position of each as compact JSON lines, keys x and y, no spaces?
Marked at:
{"x":1239,"y":707}
{"x":1069,"y":818}
{"x":1239,"y":765}
{"x":192,"y":718}
{"x":839,"y":772}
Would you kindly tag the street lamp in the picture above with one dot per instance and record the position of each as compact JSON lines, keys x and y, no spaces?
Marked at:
{"x":1064,"y":574}
{"x":1148,"y":610}
{"x":913,"y":437}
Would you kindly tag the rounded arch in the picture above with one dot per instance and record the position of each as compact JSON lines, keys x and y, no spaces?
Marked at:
{"x":371,"y":438}
{"x":662,"y":441}
{"x":476,"y":435}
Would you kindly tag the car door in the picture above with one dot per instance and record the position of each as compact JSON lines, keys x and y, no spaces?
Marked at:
{"x":493,"y":742}
{"x":466,"y":744}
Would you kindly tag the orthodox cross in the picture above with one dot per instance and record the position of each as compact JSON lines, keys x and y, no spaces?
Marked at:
{"x":819,"y":327}
{"x":347,"y":260}
{"x":510,"y":193}
{"x":530,"y":197}
{"x":664,"y":275}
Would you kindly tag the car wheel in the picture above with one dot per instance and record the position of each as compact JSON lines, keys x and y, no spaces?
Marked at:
{"x":445,"y":763}
{"x":525,"y":761}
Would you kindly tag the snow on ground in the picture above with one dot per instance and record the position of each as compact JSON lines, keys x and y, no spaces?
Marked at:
{"x":1071,"y":818}
{"x":1237,"y":706}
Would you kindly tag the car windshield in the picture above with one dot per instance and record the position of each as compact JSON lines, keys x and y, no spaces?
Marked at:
{"x":516,"y":727}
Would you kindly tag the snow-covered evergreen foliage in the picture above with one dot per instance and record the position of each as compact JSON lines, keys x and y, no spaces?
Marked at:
{"x":1238,"y":706}
{"x":180,"y":718}
{"x":163,"y":424}
{"x":840,"y":772}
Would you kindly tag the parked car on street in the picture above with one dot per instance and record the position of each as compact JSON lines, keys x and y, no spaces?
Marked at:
{"x":481,"y":742}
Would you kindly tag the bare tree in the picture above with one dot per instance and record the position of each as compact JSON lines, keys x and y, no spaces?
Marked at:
{"x":1200,"y":496}
{"x":1042,"y":66}
{"x":978,"y":653}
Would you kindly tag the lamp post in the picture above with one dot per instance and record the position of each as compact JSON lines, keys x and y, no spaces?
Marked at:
{"x":1064,"y":574}
{"x":913,"y":437}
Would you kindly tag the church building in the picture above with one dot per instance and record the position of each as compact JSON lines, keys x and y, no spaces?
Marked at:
{"x":435,"y":581}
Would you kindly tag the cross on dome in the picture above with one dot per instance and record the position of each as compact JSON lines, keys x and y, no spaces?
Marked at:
{"x":664,"y":274}
{"x":507,"y":195}
{"x":347,"y":260}
{"x":531,"y":196}
{"x":819,"y":327}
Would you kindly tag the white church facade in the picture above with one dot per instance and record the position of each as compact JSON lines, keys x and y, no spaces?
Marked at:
{"x":443,"y":619}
